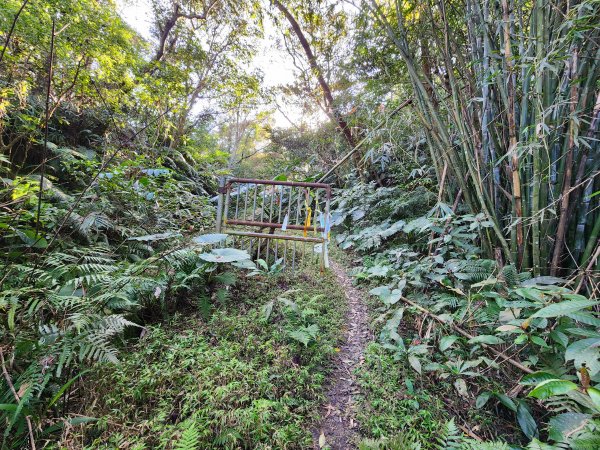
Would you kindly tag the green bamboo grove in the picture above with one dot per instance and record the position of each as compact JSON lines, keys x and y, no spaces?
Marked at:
{"x":510,"y":107}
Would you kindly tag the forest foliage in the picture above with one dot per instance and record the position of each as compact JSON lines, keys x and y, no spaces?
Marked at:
{"x":472,"y":191}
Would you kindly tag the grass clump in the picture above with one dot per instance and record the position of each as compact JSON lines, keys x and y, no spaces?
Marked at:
{"x":391,"y":405}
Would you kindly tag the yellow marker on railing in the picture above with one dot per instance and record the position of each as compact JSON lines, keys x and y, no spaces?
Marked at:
{"x":307,"y":221}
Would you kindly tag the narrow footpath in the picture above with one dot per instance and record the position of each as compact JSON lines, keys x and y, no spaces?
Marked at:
{"x":338,"y":428}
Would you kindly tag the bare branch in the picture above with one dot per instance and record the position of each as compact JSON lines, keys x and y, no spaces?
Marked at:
{"x":12,"y":29}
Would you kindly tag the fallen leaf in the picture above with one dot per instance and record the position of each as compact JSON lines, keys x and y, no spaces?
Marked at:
{"x":329,"y":408}
{"x":22,"y":390}
{"x":322,"y":441}
{"x":461,"y":387}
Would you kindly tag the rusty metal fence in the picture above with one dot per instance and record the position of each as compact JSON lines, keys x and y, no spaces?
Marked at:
{"x":276,"y":220}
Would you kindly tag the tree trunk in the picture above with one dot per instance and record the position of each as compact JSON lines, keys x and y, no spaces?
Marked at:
{"x":332,"y":111}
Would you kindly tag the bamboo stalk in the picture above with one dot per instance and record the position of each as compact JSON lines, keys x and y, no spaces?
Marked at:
{"x":566,"y":190}
{"x":521,"y":127}
{"x":512,"y":132}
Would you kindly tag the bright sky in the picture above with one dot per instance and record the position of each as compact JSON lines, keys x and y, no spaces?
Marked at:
{"x":274,"y":63}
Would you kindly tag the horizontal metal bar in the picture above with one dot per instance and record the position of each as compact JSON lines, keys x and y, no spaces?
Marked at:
{"x":252,"y":223}
{"x":283,"y":237}
{"x":281,"y":183}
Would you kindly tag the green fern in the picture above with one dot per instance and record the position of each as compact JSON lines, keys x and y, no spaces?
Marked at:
{"x":470,"y":444}
{"x":451,"y":438}
{"x":399,"y":442}
{"x":476,"y":270}
{"x":510,"y":275}
{"x":190,"y":438}
{"x":538,"y":445}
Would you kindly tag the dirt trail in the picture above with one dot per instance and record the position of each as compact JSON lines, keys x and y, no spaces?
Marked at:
{"x":338,"y":425}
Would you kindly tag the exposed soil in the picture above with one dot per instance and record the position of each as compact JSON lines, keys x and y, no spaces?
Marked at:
{"x":338,"y":426}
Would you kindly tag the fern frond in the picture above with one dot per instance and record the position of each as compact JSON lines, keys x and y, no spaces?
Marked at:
{"x":476,"y":270}
{"x":510,"y":275}
{"x":451,"y":437}
{"x":190,"y":438}
{"x":470,"y":444}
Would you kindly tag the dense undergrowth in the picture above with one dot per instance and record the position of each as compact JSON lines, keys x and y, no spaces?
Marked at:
{"x":474,"y":177}
{"x":414,"y":247}
{"x":245,"y":377}
{"x":103,"y":186}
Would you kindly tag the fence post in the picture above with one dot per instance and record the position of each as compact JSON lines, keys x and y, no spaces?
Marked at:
{"x":220,"y":203}
{"x":327,"y":225}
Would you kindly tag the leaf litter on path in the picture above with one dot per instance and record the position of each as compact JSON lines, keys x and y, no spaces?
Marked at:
{"x":337,"y":429}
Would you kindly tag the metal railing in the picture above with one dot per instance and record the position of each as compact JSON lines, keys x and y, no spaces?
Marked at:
{"x":273,"y":219}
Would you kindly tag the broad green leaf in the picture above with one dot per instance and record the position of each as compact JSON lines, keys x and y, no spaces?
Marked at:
{"x":389,"y":331}
{"x":560,"y":338}
{"x":214,"y":238}
{"x":387,"y":296}
{"x":572,"y":296}
{"x":530,"y":294}
{"x":546,"y":280}
{"x":585,"y":351}
{"x":447,"y":342}
{"x":225,"y":255}
{"x":536,"y":378}
{"x":526,"y":421}
{"x":486,"y":339}
{"x":155,"y":237}
{"x":415,"y":363}
{"x":393,"y":298}
{"x":595,"y":396}
{"x":539,"y":341}
{"x":378,"y":271}
{"x":583,"y":332}
{"x":520,"y":339}
{"x":358,"y":214}
{"x":245,"y":264}
{"x":380,"y":290}
{"x":585,"y":317}
{"x":420,"y":349}
{"x":564,"y":308}
{"x":563,"y":425}
{"x":482,"y":399}
{"x":550,"y":388}
{"x":506,"y":401}
{"x":30,"y":238}
{"x":507,"y":328}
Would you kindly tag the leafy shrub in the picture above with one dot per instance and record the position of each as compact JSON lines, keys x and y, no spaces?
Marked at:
{"x":436,"y":261}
